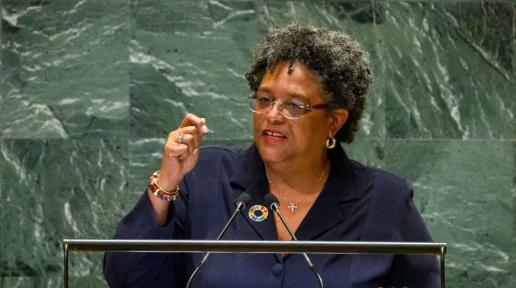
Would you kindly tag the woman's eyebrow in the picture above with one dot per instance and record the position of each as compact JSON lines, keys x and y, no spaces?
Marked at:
{"x":263,"y":90}
{"x":297,"y":96}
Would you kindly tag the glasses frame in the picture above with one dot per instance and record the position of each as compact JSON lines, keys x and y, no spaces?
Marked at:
{"x":306,"y":107}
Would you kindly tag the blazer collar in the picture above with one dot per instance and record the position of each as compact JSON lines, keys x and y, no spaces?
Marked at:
{"x":250,"y":178}
{"x":325,"y":213}
{"x":249,"y":167}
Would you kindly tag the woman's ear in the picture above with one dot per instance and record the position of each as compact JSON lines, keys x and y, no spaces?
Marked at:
{"x":338,"y":118}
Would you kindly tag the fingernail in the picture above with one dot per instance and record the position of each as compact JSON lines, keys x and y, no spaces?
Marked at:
{"x":205,"y":129}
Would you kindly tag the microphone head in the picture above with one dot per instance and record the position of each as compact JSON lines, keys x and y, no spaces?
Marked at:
{"x":271,"y":201}
{"x":243,"y":199}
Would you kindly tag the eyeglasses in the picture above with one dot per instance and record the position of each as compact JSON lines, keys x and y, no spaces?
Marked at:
{"x":291,"y":109}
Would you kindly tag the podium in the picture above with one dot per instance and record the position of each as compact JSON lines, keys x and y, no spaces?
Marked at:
{"x":225,"y":246}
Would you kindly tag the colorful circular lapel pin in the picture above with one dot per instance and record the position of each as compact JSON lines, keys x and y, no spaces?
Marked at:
{"x":258,"y":213}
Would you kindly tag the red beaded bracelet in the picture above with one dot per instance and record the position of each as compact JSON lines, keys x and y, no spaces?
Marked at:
{"x":159,"y":192}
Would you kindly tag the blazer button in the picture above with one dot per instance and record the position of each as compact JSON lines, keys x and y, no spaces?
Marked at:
{"x":277,"y":269}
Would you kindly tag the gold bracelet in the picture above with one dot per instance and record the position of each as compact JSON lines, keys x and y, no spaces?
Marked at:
{"x":158,"y":191}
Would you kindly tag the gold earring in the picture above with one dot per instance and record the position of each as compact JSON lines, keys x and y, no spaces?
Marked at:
{"x":330,"y":142}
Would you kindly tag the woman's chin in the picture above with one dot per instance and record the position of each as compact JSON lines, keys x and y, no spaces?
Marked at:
{"x":271,"y":154}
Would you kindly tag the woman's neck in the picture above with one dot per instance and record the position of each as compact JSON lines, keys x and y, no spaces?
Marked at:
{"x":297,"y":176}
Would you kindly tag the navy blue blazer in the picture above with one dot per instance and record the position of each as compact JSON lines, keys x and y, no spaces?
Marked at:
{"x":358,"y":203}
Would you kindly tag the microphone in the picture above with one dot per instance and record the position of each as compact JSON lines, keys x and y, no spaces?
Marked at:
{"x":243,"y":200}
{"x":273,"y":203}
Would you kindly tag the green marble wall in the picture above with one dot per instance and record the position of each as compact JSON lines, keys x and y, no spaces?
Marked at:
{"x":89,"y":89}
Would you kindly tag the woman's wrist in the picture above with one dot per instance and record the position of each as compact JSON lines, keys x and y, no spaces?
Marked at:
{"x":165,"y":183}
{"x":160,"y":190}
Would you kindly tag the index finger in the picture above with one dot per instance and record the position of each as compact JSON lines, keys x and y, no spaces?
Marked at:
{"x":194,"y":120}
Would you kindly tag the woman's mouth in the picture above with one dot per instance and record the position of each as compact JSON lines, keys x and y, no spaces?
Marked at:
{"x":273,"y":136}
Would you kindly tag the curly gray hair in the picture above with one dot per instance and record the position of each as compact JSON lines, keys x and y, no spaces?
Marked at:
{"x":340,"y":62}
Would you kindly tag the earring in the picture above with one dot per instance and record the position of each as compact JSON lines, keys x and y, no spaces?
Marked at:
{"x":330,"y":142}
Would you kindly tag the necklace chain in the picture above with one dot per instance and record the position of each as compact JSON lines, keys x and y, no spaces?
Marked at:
{"x":292,"y":204}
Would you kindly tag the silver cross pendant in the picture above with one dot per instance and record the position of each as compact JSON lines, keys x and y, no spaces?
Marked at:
{"x":292,"y":207}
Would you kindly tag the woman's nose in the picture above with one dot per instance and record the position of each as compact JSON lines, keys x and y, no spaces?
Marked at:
{"x":275,"y":110}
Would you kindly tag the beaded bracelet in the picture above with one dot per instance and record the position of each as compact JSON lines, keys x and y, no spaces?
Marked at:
{"x":160,"y":192}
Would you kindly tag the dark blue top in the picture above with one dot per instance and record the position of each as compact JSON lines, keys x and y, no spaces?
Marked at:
{"x":358,"y":203}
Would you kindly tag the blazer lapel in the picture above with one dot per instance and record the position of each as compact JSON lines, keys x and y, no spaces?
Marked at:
{"x":250,"y":178}
{"x":326,"y":212}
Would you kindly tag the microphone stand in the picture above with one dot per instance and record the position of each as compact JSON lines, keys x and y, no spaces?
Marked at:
{"x":274,"y":204}
{"x":240,"y":203}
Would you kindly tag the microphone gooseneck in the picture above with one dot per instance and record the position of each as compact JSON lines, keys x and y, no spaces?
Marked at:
{"x":243,"y":200}
{"x":272,"y":202}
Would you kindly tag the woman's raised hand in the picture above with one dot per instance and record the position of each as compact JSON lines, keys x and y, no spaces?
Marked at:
{"x":181,"y":151}
{"x":180,"y":155}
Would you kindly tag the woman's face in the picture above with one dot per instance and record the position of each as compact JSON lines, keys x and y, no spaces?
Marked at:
{"x":280,"y":139}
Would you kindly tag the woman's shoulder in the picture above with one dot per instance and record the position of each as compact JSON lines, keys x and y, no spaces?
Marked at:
{"x":220,"y":150}
{"x":384,"y":182}
{"x":225,"y":151}
{"x":216,"y":155}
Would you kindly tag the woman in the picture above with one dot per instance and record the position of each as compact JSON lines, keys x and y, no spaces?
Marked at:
{"x":309,"y":88}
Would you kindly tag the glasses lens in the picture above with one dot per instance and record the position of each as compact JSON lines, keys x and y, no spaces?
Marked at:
{"x":289,"y":109}
{"x":264,"y":103}
{"x":261,"y":104}
{"x":293,"y":109}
